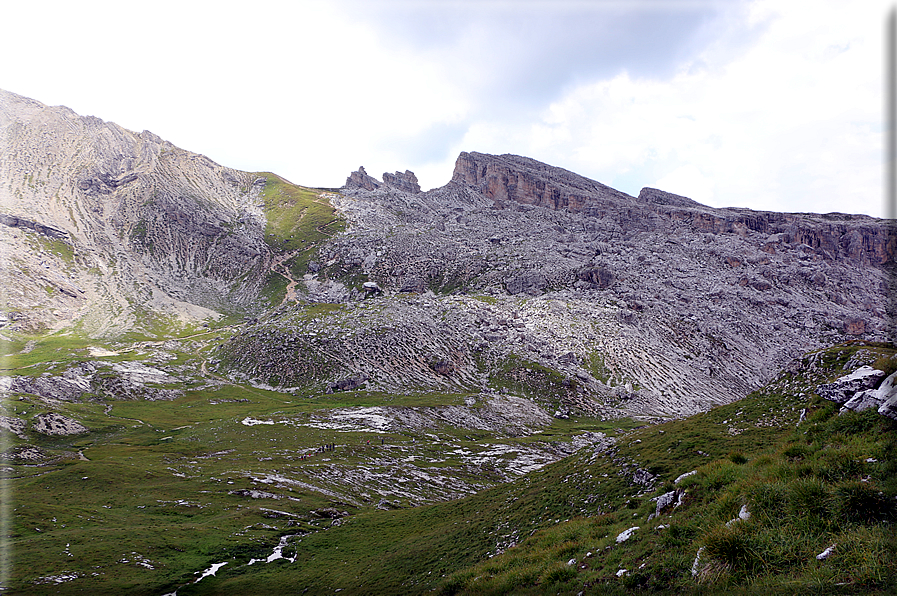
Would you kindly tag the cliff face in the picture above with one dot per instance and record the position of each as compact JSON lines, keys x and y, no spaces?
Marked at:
{"x":508,"y":179}
{"x":143,"y":223}
{"x":511,"y":178}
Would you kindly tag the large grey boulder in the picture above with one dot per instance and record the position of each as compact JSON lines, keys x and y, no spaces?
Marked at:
{"x":55,"y":424}
{"x":845,"y":388}
{"x":530,"y":282}
{"x":888,"y":396}
{"x":873,"y":398}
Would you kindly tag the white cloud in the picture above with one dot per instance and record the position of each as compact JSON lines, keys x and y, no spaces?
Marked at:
{"x":688,"y":181}
{"x":793,"y":123}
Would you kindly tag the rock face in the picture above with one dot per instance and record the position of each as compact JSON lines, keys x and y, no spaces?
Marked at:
{"x":361,"y":179}
{"x":406,"y":182}
{"x":511,"y":178}
{"x":128,"y":219}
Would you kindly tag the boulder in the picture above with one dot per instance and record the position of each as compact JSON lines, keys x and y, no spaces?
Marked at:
{"x":888,"y":395}
{"x":442,"y":367}
{"x":348,"y":384}
{"x":844,"y":388}
{"x":667,"y":502}
{"x":370,"y":288}
{"x":600,"y":277}
{"x":416,"y":285}
{"x":55,"y":424}
{"x":873,"y":398}
{"x":625,"y":534}
{"x":530,"y":283}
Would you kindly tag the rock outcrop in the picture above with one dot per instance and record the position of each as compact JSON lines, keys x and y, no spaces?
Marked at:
{"x":55,"y":424}
{"x":845,"y":388}
{"x":406,"y":182}
{"x":361,"y":179}
{"x":863,"y":389}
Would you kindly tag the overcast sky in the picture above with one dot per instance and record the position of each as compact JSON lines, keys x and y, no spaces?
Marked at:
{"x":774,"y":105}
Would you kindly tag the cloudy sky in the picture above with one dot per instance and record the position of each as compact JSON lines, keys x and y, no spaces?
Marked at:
{"x":767,"y":104}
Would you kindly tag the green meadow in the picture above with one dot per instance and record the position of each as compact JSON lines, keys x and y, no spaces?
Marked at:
{"x":159,"y":491}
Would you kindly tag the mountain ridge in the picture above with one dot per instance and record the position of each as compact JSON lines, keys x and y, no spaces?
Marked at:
{"x":676,"y":305}
{"x":523,"y":381}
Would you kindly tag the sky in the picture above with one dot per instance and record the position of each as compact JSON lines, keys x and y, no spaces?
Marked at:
{"x":765,"y":104}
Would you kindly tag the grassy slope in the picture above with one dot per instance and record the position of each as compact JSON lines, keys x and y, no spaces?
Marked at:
{"x":808,"y":486}
{"x":158,"y":485}
{"x":299,"y":219}
{"x":157,"y":488}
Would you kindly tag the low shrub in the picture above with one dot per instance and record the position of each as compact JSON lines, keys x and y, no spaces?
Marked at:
{"x":737,"y":457}
{"x":862,"y":502}
{"x":809,"y":497}
{"x":732,"y":546}
{"x":557,"y":573}
{"x":769,"y":499}
{"x":720,"y":473}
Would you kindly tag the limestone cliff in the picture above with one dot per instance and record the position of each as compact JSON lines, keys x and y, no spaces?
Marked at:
{"x":515,"y":179}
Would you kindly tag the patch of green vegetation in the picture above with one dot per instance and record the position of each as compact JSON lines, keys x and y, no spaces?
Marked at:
{"x":56,"y":246}
{"x":155,"y":326}
{"x":61,"y":347}
{"x":547,"y":387}
{"x":299,"y":219}
{"x":275,"y":289}
{"x":138,"y":234}
{"x":445,"y":284}
{"x":350,"y":276}
{"x":596,"y":366}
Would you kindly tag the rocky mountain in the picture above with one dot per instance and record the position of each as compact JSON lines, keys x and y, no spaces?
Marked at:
{"x":514,"y":274}
{"x":521,"y":380}
{"x":125,"y":224}
{"x":652,"y":305}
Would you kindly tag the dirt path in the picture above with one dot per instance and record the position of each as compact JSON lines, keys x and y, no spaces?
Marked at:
{"x":279,"y":266}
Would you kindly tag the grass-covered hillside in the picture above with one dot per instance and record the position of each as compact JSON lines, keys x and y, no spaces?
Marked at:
{"x":318,"y":493}
{"x":797,"y":488}
{"x":298,"y":220}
